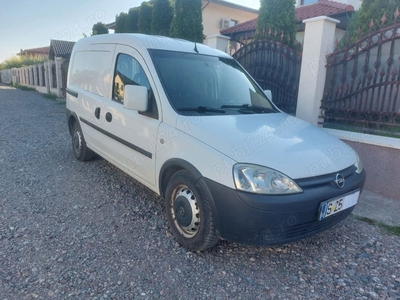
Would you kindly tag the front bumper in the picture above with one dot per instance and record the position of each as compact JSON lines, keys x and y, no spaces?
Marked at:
{"x":266,"y":220}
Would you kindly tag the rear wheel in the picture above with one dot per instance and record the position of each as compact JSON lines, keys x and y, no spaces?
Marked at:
{"x":81,"y":151}
{"x":189,"y":213}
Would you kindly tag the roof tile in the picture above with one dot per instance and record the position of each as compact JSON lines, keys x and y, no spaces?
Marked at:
{"x":321,"y":8}
{"x":60,"y":48}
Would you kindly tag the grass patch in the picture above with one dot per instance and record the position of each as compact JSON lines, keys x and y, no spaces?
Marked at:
{"x":23,"y":87}
{"x":394,"y":230}
{"x":49,"y":96}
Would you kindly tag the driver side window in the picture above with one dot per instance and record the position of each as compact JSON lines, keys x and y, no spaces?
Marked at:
{"x":127,"y":72}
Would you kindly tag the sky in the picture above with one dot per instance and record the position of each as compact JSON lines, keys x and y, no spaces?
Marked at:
{"x":26,"y":24}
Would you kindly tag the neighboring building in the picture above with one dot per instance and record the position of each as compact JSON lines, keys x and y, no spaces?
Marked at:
{"x":57,"y":48}
{"x":42,"y":51}
{"x":245,"y":31}
{"x":219,"y":14}
{"x":355,"y":3}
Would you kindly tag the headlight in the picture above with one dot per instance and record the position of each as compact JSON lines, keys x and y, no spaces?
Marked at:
{"x":358,"y":164}
{"x":263,"y":180}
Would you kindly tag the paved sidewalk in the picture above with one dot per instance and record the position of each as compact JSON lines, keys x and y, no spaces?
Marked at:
{"x":378,"y":208}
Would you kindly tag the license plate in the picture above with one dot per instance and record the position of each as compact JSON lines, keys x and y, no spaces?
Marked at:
{"x":331,"y":207}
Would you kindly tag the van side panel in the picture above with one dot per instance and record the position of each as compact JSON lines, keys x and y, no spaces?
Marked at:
{"x":90,"y":79}
{"x":92,"y":71}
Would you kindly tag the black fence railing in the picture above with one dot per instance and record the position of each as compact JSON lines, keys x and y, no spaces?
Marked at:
{"x":362,"y":85}
{"x":275,"y":67}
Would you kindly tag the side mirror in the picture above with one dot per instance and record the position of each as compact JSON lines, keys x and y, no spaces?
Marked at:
{"x":268,"y":93}
{"x":136,"y":97}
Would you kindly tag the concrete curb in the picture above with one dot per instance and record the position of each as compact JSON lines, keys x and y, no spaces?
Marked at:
{"x":378,"y":208}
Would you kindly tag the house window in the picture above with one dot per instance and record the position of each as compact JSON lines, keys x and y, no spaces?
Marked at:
{"x":233,"y":23}
{"x":305,"y":2}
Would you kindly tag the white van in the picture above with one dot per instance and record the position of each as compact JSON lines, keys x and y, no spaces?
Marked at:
{"x":188,"y":122}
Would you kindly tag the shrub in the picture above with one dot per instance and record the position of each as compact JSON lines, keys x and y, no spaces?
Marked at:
{"x":21,"y":61}
{"x":99,"y":28}
{"x":132,"y":19}
{"x":163,"y":14}
{"x":369,"y":17}
{"x":187,"y":22}
{"x":277,"y":21}
{"x":145,"y":18}
{"x":120,"y":22}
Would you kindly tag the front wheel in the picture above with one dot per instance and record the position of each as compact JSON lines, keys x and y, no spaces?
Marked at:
{"x":189,"y":213}
{"x":81,"y":151}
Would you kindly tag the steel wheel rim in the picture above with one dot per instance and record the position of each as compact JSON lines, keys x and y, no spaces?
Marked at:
{"x":77,"y":142}
{"x":185,"y":211}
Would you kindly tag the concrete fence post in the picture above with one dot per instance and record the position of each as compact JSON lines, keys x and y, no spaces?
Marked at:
{"x":318,"y":42}
{"x":59,"y":61}
{"x":46,"y":76}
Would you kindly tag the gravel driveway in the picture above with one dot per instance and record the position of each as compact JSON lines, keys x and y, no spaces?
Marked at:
{"x":88,"y":231}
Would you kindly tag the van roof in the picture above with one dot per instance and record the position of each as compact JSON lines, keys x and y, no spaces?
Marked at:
{"x":142,"y":41}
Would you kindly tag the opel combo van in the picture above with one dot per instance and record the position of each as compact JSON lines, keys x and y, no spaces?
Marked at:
{"x":188,"y":122}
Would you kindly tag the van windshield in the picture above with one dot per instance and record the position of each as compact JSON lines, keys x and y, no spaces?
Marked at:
{"x":209,"y":85}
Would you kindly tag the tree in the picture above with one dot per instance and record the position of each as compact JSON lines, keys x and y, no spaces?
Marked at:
{"x":99,"y":28}
{"x":370,"y":15}
{"x":277,"y":21}
{"x":163,"y":13}
{"x":187,"y":22}
{"x":145,"y":18}
{"x":120,"y":21}
{"x":349,"y":36}
{"x":131,"y":22}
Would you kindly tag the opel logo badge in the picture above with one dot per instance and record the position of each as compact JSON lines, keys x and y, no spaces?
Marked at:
{"x":339,"y":181}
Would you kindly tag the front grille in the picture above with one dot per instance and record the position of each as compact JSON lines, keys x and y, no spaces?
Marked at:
{"x":285,"y":234}
{"x":325,"y":179}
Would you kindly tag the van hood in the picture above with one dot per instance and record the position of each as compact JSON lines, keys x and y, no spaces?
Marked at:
{"x":276,"y":140}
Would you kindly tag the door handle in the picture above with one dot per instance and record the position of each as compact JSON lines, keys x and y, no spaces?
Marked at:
{"x":97,"y":112}
{"x":108,"y":117}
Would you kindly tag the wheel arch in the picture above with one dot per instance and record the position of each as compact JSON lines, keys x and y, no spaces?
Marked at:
{"x":174,"y":165}
{"x":71,"y":119}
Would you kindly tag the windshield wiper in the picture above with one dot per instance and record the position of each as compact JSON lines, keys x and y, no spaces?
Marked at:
{"x":202,"y":109}
{"x":249,"y":107}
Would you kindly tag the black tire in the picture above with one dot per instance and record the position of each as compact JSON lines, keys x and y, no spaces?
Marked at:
{"x":189,"y":213}
{"x":81,"y":151}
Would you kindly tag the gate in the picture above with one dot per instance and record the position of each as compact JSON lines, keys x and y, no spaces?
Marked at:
{"x":275,"y":67}
{"x":362,"y":85}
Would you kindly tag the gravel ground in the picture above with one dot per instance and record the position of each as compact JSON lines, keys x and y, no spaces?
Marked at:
{"x":88,"y":231}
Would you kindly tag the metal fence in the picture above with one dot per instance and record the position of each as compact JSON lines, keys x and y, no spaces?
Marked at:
{"x":275,"y":67}
{"x":362,"y":86}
